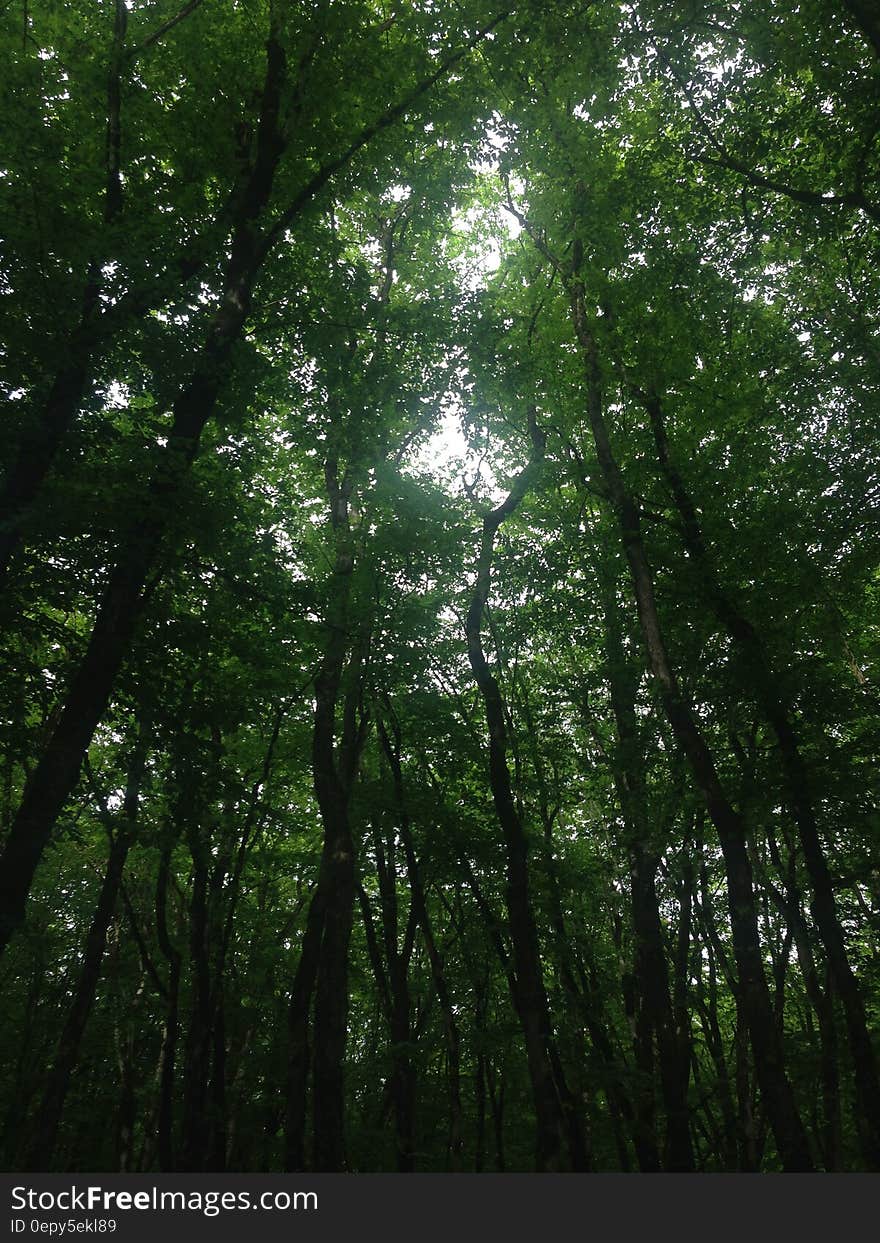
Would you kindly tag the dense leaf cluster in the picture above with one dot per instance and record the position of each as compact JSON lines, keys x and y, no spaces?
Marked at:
{"x":439,"y":583}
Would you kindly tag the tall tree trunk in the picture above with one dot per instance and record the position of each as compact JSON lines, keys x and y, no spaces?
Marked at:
{"x":400,"y":1026}
{"x":530,"y":998}
{"x":438,"y":976}
{"x":219,"y":1136}
{"x":776,"y":1090}
{"x":655,"y":1019}
{"x":121,"y":835}
{"x":197,"y":1050}
{"x":333,"y":777}
{"x":25,"y":1087}
{"x":710,"y":958}
{"x":749,"y":1160}
{"x":40,"y":1155}
{"x":126,"y":1115}
{"x":168,"y":1052}
{"x":822,"y":1000}
{"x":569,"y":1049}
{"x":768,"y":691}
{"x":708,"y":1010}
{"x":298,"y":1014}
{"x":496,"y":1088}
{"x":480,"y":1078}
{"x":331,"y":1003}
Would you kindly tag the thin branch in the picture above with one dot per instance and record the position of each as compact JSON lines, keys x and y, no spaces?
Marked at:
{"x":163,"y":30}
{"x":723,"y":159}
{"x":393,"y":113}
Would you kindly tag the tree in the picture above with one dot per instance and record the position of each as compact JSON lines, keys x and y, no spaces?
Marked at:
{"x":440,"y":577}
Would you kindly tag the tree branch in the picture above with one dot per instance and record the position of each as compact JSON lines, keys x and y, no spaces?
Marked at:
{"x":163,"y":30}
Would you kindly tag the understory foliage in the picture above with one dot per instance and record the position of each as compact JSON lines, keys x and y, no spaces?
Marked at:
{"x":440,"y":577}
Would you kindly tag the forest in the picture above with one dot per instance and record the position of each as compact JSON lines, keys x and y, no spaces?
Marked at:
{"x":440,"y":585}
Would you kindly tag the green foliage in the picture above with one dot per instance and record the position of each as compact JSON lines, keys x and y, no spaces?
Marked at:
{"x":709,"y":175}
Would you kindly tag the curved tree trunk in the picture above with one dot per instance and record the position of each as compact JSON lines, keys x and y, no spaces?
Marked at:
{"x":530,"y":998}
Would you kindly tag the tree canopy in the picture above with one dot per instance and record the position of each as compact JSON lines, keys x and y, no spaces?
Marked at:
{"x":439,"y":585}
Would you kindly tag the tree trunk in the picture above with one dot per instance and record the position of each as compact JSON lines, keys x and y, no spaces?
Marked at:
{"x":42,"y":1149}
{"x":57,"y":772}
{"x":655,"y":1019}
{"x":333,"y":777}
{"x":299,"y":1051}
{"x":331,"y":1001}
{"x":767,"y":1047}
{"x":168,"y":1053}
{"x":49,"y":1117}
{"x":822,"y":1000}
{"x":420,"y":909}
{"x":197,"y":1050}
{"x":768,"y":692}
{"x":530,"y":998}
